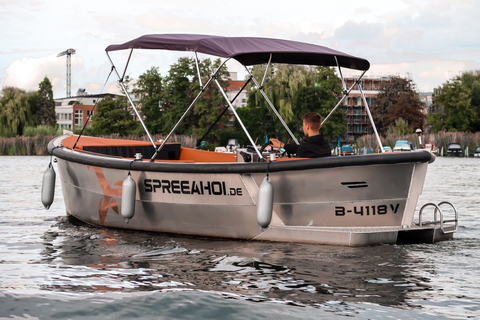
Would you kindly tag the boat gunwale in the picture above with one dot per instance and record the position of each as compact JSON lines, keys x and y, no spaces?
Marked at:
{"x":93,"y":159}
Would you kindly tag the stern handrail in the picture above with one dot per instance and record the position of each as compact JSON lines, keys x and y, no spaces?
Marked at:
{"x":440,"y":221}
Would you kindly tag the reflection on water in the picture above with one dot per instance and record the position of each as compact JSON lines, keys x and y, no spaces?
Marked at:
{"x":115,"y":260}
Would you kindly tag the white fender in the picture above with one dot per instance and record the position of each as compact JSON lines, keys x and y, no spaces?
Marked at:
{"x":48,"y":186}
{"x":265,"y":203}
{"x":129,"y":190}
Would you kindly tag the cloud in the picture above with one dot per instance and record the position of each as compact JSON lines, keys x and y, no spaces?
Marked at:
{"x":425,"y":73}
{"x":359,"y":31}
{"x":27,"y":73}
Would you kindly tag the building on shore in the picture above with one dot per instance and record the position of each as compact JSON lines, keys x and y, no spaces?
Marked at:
{"x":358,"y":122}
{"x":74,"y":112}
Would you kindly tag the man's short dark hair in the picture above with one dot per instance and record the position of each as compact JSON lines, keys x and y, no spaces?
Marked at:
{"x":314,"y":119}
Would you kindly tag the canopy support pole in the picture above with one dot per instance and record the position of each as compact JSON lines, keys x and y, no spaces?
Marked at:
{"x":126,"y":66}
{"x":198,"y":71}
{"x":344,"y":85}
{"x":266,"y":70}
{"x":120,"y":80}
{"x":271,"y":105}
{"x":238,"y":118}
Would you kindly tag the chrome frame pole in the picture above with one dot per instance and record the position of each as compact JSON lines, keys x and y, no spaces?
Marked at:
{"x":344,"y":85}
{"x":130,"y":99}
{"x":198,"y":71}
{"x":128,"y":62}
{"x":266,"y":70}
{"x":272,"y":107}
{"x":238,"y":118}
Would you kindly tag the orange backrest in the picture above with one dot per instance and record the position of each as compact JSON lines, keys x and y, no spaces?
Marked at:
{"x":206,"y":156}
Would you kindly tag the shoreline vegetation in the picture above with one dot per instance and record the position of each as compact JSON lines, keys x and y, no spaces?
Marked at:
{"x":37,"y":145}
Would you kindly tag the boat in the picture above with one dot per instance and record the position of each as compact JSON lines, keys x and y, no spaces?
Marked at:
{"x":387,"y":149}
{"x":402,"y":145}
{"x":455,"y":150}
{"x":367,"y":150}
{"x":431,"y":147}
{"x":254,"y":193}
{"x":346,"y":151}
{"x":476,"y":154}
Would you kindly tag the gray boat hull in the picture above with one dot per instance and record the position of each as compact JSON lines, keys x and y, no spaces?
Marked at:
{"x":364,"y":201}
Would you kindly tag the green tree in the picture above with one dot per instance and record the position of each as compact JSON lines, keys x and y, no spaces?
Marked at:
{"x":457,"y":112}
{"x":16,"y":110}
{"x":401,"y":128}
{"x":46,"y":105}
{"x":112,"y":116}
{"x":150,"y":88}
{"x":471,"y":79}
{"x":179,"y":94}
{"x":397,"y":99}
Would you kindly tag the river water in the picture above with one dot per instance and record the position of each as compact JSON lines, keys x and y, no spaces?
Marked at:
{"x":53,"y":268}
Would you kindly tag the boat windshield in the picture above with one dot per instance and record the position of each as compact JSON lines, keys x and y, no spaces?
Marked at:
{"x":402,"y":144}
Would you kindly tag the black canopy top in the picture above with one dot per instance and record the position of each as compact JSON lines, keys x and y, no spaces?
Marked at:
{"x":247,"y":50}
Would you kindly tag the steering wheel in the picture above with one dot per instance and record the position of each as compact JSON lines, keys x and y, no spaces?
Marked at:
{"x":279,"y":154}
{"x":264,"y":147}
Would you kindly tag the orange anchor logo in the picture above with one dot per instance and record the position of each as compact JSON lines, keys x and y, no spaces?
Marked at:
{"x":108,"y":194}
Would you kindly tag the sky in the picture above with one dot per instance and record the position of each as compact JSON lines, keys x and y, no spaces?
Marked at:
{"x":430,"y":41}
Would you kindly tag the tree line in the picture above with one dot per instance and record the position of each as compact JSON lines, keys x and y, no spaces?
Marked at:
{"x":293,"y":90}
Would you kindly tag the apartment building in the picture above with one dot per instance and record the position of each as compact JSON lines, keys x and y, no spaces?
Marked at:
{"x":358,"y":122}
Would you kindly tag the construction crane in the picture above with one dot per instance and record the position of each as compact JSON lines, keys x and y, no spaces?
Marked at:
{"x":68,"y":53}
